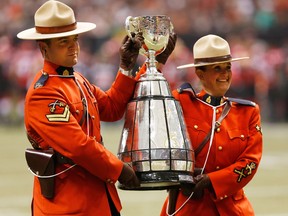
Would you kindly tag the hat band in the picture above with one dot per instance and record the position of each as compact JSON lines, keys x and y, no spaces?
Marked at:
{"x":56,"y":29}
{"x":213,"y":59}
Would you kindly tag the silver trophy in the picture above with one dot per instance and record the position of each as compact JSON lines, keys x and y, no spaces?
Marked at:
{"x":154,"y":139}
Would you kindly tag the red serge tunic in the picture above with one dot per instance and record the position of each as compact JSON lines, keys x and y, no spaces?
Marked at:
{"x":53,"y":110}
{"x":234,"y":157}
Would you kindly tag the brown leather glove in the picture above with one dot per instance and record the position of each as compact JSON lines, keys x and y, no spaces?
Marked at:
{"x":129,"y":51}
{"x":162,"y":57}
{"x":128,"y":177}
{"x":202,"y":182}
{"x":188,"y":188}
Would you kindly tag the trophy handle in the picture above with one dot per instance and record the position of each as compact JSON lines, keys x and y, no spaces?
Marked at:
{"x":171,"y":28}
{"x":128,"y":22}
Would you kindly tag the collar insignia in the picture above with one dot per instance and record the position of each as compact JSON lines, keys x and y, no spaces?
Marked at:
{"x":214,"y":101}
{"x":208,"y":99}
{"x":65,"y":71}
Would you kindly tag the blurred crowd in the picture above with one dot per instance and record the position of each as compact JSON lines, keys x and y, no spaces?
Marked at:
{"x":254,"y":28}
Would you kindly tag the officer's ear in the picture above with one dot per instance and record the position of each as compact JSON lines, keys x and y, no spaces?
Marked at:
{"x":44,"y":45}
{"x":199,"y":72}
{"x":43,"y":48}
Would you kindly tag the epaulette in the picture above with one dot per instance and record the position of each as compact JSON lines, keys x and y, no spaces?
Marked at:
{"x":41,"y":81}
{"x":186,"y":87}
{"x":242,"y":101}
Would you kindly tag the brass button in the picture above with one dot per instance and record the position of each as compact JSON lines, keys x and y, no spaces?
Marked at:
{"x":221,"y":198}
{"x":217,"y":167}
{"x":109,"y":181}
{"x":93,"y":117}
{"x":196,"y":126}
{"x":225,"y":196}
{"x":218,"y":130}
{"x":77,"y":111}
{"x":242,"y":136}
{"x":217,"y":110}
{"x":220,"y":148}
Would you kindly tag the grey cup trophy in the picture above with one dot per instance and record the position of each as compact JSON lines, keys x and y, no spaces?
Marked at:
{"x":154,"y":139}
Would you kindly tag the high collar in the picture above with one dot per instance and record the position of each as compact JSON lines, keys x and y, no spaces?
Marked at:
{"x":65,"y":71}
{"x":52,"y":68}
{"x":214,"y":101}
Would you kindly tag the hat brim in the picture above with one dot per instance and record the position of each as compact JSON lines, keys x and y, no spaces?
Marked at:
{"x":210,"y":63}
{"x":32,"y":34}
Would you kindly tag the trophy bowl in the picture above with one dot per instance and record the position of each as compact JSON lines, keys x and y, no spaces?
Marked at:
{"x":155,"y":30}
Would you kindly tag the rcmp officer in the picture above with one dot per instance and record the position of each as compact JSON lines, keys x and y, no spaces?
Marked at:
{"x":63,"y":112}
{"x":225,"y":134}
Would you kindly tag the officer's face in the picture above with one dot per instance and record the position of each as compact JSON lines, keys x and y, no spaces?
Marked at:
{"x":216,"y":78}
{"x":63,"y":51}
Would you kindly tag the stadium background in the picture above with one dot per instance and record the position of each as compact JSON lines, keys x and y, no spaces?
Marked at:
{"x":254,"y":28}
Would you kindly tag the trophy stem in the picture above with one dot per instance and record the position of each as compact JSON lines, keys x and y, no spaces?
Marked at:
{"x":151,"y":63}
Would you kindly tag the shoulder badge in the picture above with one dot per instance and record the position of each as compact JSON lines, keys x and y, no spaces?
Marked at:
{"x":245,"y":171}
{"x":186,"y":87}
{"x":41,"y":81}
{"x":242,"y":101}
{"x":59,"y":112}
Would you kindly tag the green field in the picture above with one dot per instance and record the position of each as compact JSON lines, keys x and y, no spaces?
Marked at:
{"x":268,"y":191}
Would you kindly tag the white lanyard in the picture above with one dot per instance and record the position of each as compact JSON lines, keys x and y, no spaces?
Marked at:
{"x":211,"y":139}
{"x":86,"y":104}
{"x":206,"y":159}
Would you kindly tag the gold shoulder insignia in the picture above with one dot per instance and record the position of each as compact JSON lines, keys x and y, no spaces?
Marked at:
{"x":258,"y":128}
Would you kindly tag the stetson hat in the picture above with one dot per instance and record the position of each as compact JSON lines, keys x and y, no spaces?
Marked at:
{"x":52,"y":20}
{"x":211,"y":49}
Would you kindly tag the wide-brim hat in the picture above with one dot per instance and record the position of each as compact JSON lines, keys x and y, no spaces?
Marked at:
{"x":55,"y":19}
{"x":211,"y":49}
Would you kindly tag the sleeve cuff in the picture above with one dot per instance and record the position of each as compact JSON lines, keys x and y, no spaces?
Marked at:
{"x":126,"y":72}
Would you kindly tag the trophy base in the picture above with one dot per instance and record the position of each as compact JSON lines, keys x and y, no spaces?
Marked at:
{"x":160,"y":180}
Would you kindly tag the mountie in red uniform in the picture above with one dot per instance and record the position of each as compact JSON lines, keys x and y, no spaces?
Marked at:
{"x":234,"y":156}
{"x":67,"y":119}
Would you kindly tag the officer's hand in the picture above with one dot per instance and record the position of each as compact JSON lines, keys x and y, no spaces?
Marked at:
{"x":187,"y":188}
{"x":129,"y":51}
{"x":128,"y":177}
{"x":202,"y":182}
{"x":162,"y":57}
{"x":197,"y":171}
